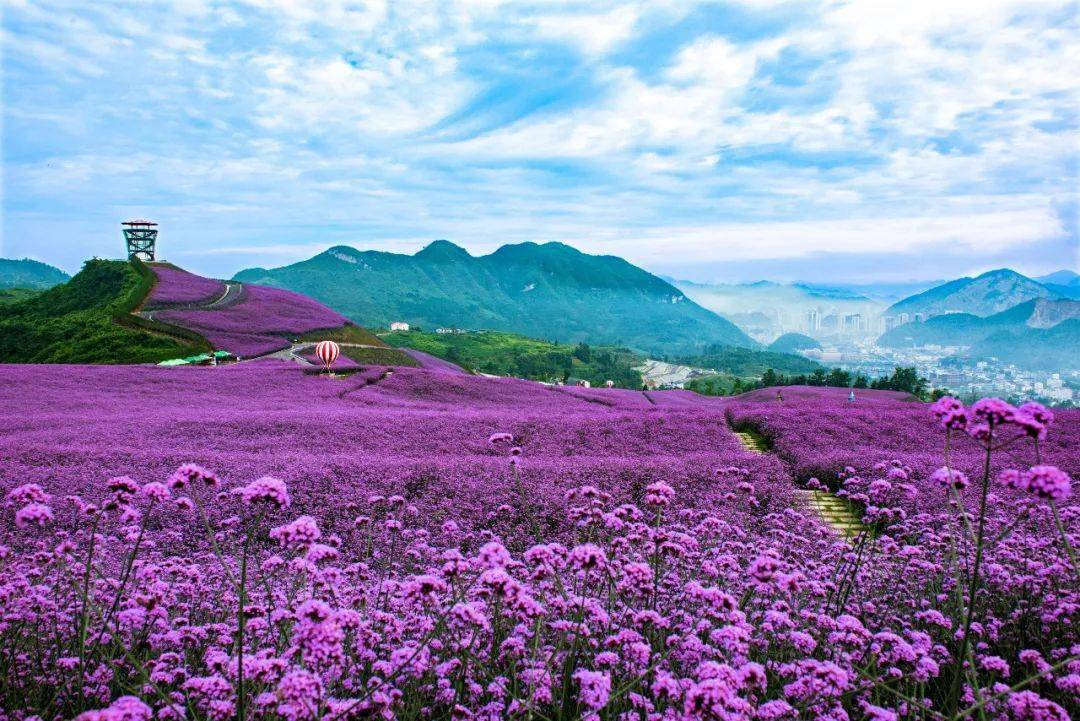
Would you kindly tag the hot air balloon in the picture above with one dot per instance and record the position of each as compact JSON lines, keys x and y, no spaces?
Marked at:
{"x":328,"y":352}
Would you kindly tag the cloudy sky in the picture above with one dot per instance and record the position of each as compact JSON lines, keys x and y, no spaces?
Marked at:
{"x":861,"y":140}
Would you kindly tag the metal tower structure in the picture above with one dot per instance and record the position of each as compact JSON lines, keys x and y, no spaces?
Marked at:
{"x":141,"y":237}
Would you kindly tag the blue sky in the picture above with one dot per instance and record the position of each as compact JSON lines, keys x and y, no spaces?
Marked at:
{"x":846,"y":141}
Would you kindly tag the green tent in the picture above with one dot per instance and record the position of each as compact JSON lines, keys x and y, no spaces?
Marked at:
{"x":174,"y":362}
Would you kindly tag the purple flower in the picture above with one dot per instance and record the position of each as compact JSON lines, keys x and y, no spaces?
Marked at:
{"x":595,"y":688}
{"x":950,"y":477}
{"x":125,"y":708}
{"x":1047,"y":482}
{"x":33,"y":514}
{"x":587,"y":557}
{"x":302,"y":531}
{"x":992,"y":410}
{"x":157,"y":491}
{"x":1029,"y":706}
{"x":265,"y":490}
{"x":28,"y":493}
{"x":950,"y":412}
{"x":191,"y":473}
{"x":659,"y":494}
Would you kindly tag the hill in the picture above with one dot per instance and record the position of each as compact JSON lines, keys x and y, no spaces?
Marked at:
{"x":1038,"y":334}
{"x":543,"y":291}
{"x":1049,"y":349}
{"x":509,"y":354}
{"x":990,"y":293}
{"x":85,"y":320}
{"x":252,"y":320}
{"x":792,"y":342}
{"x":28,"y":273}
{"x":1064,"y":282}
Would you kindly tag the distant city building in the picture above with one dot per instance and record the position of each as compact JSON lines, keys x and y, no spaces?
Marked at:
{"x":399,"y":326}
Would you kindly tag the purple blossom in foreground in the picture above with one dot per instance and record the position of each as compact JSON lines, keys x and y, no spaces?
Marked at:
{"x":414,"y":575}
{"x":266,"y":490}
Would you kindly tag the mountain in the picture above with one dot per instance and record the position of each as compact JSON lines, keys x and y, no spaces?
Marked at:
{"x":792,"y":342}
{"x":1038,"y":334}
{"x":985,"y":295}
{"x":28,"y":273}
{"x":1063,"y":282}
{"x":549,"y":291}
{"x":1049,"y":349}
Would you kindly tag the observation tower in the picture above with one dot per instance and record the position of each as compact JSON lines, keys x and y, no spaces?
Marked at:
{"x":141,"y":237}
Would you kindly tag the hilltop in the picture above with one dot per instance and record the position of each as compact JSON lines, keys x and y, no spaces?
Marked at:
{"x":992,"y":292}
{"x":115,"y":311}
{"x":86,"y":320}
{"x":27,"y":273}
{"x":545,"y":290}
{"x":793,"y":342}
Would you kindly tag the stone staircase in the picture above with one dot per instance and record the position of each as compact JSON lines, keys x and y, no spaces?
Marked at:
{"x":840,"y":514}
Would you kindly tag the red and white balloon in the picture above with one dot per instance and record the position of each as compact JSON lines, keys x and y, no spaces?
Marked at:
{"x":327,"y":351}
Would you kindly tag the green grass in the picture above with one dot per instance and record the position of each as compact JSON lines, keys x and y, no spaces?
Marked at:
{"x":510,"y":354}
{"x":349,"y":333}
{"x":380,"y":356}
{"x":86,"y":321}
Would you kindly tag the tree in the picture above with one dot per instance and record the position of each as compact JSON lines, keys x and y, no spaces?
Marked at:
{"x":769,"y":378}
{"x":583,"y":352}
{"x":839,"y":378}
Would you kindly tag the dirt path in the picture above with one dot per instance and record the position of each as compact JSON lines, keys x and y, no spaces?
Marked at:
{"x":837,"y":512}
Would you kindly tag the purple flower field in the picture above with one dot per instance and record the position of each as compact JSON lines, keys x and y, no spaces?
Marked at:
{"x":177,"y":287}
{"x":426,"y":544}
{"x":259,"y":322}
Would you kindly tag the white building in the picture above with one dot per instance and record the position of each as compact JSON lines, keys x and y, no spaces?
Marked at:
{"x":399,"y":326}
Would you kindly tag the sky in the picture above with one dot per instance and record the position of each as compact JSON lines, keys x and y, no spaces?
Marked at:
{"x":824,"y":141}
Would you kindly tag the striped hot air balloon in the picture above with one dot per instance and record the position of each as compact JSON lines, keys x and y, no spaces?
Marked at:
{"x":328,"y":352}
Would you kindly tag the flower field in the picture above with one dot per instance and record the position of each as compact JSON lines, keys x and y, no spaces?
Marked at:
{"x":426,"y":544}
{"x":261,"y":320}
{"x":176,"y":286}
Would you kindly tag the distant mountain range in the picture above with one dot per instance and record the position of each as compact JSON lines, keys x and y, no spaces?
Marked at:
{"x":992,"y":292}
{"x":26,"y":273}
{"x":549,"y":291}
{"x":1064,"y":282}
{"x":1038,"y":334}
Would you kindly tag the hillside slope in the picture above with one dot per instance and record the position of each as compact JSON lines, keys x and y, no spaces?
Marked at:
{"x":549,"y":291}
{"x":1038,"y":334}
{"x":28,"y":273}
{"x":248,"y":320}
{"x":80,"y":321}
{"x":990,"y":293}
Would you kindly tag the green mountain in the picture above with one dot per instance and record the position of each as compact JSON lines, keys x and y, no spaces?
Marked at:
{"x":87,"y":320}
{"x":1049,"y":349}
{"x":549,"y":291}
{"x":792,"y":342}
{"x":990,"y":293}
{"x":28,"y":273}
{"x":1039,"y":334}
